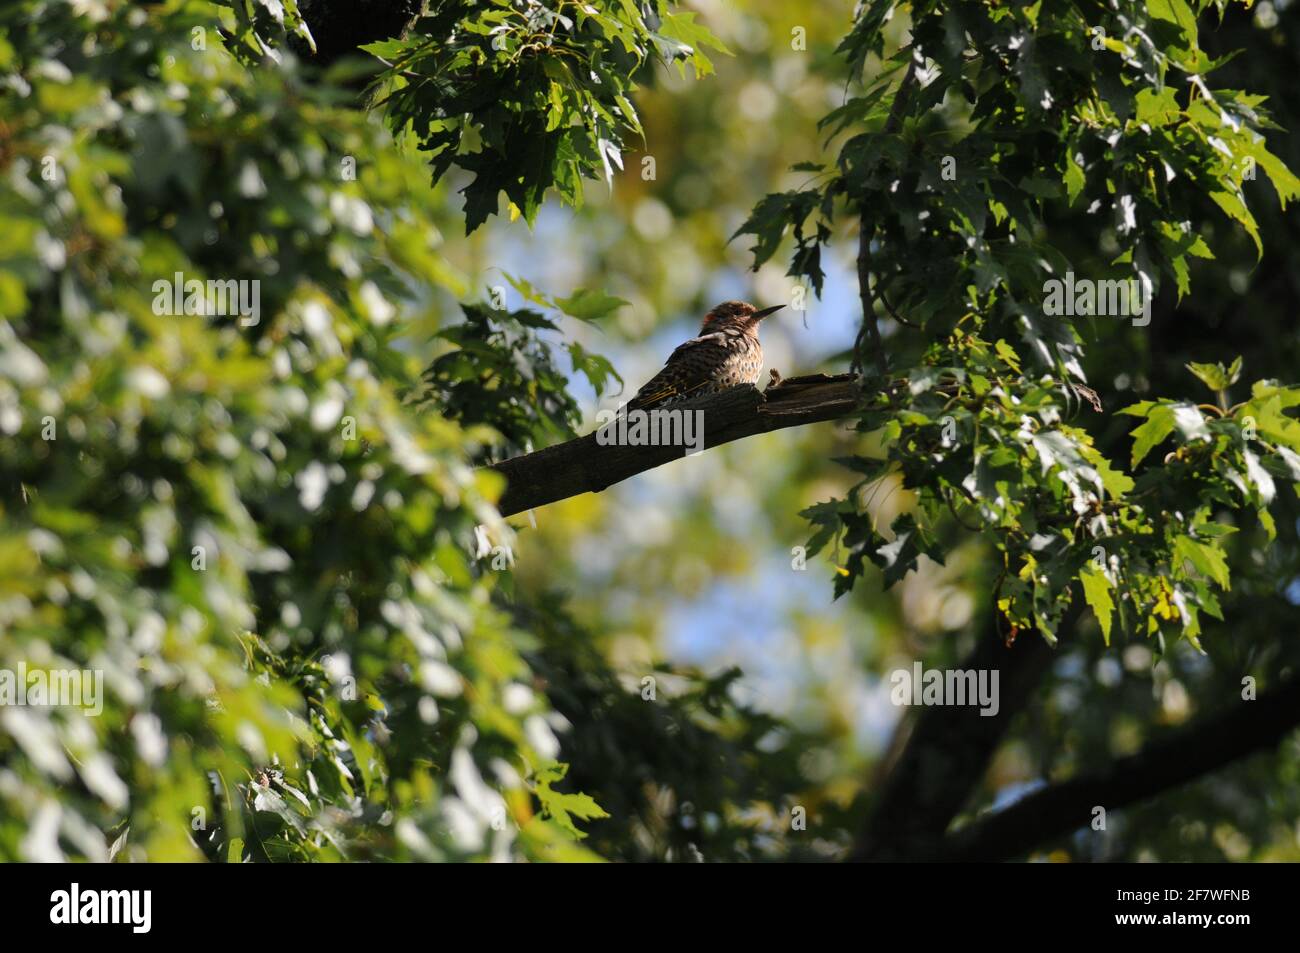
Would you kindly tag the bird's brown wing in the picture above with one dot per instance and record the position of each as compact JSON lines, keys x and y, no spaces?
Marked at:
{"x":691,"y":366}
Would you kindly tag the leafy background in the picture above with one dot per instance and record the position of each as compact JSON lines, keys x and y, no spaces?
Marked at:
{"x":372,"y":665}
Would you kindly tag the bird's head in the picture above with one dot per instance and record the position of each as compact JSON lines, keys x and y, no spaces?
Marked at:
{"x":733,"y":314}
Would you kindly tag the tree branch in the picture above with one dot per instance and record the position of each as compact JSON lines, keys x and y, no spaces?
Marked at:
{"x":939,"y":754}
{"x":1201,"y":747}
{"x":584,"y":465}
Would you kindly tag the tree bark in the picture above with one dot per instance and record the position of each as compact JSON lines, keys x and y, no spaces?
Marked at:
{"x":584,"y":465}
{"x":1201,"y":747}
{"x":939,"y":755}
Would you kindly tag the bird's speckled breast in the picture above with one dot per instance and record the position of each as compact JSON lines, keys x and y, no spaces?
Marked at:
{"x":743,"y":367}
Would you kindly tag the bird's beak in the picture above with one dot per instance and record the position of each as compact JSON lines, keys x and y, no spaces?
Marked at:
{"x":759,"y":315}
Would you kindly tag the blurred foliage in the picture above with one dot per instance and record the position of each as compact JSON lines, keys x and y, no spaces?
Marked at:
{"x":235,"y":518}
{"x":320,"y":642}
{"x":205,"y":481}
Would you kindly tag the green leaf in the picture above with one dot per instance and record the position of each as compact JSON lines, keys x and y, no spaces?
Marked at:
{"x":528,"y":291}
{"x":684,"y":39}
{"x":1208,"y":558}
{"x":826,"y":517}
{"x":597,"y":369}
{"x":1074,"y":180}
{"x":772,"y":217}
{"x":1236,"y":210}
{"x":1096,"y":591}
{"x":1158,"y":107}
{"x":1008,"y":354}
{"x":1117,"y":482}
{"x":1284,"y":180}
{"x":1260,"y":477}
{"x":898,"y":557}
{"x":560,"y":807}
{"x":387,"y":49}
{"x":1215,"y":376}
{"x":1159,"y":425}
{"x":588,"y":305}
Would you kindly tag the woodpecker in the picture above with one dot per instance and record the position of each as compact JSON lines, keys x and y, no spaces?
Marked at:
{"x":725,"y":354}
